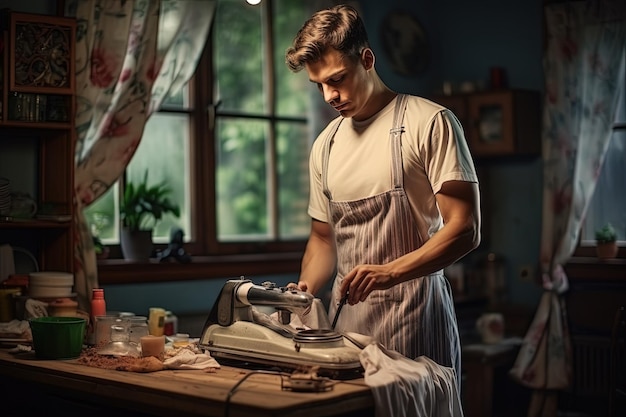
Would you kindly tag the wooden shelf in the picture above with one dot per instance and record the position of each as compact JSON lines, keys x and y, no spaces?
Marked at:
{"x":36,"y":125}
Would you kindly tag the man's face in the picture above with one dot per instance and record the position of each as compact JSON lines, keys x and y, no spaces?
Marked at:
{"x":344,"y":84}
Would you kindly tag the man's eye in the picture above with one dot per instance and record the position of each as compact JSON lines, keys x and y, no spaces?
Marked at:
{"x":319,"y":86}
{"x":336,"y":80}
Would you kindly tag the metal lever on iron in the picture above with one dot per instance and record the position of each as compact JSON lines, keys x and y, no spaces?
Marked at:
{"x":252,"y":294}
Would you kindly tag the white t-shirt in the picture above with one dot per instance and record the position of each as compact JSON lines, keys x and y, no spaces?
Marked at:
{"x":434,"y":150}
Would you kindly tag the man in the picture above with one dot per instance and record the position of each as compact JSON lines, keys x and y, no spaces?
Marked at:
{"x":394,"y":197}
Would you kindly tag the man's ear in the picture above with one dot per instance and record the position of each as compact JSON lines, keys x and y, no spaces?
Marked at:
{"x":367,"y":59}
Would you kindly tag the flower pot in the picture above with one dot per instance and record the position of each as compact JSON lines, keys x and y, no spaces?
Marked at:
{"x":136,"y":245}
{"x":607,"y":250}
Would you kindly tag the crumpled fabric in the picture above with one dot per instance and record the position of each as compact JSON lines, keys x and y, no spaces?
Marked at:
{"x":313,"y":317}
{"x":187,"y":359}
{"x":409,"y":388}
{"x":35,"y":308}
{"x":15,"y":327}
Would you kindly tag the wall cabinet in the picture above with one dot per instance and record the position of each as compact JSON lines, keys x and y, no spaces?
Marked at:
{"x":36,"y":124}
{"x":498,"y":122}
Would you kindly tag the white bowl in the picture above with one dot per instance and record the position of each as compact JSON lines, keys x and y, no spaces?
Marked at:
{"x":50,"y":284}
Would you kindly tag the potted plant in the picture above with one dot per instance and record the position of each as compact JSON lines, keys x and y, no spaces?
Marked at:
{"x":98,"y":222}
{"x":141,"y":208}
{"x":606,"y":242}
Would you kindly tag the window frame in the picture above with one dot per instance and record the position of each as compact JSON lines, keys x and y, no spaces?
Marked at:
{"x":211,"y":258}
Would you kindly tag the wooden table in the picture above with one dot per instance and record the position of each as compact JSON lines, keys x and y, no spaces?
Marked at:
{"x":83,"y":390}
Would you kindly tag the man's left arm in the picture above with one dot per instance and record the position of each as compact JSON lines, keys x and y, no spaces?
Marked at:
{"x":459,"y":204}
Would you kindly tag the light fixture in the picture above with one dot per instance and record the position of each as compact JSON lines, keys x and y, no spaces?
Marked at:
{"x":253,"y":2}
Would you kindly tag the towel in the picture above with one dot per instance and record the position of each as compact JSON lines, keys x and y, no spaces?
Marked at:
{"x":35,"y":308}
{"x":16,"y":329}
{"x":409,"y":388}
{"x":188,"y":359}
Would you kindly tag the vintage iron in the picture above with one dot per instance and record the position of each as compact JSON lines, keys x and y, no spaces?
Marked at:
{"x":237,"y":330}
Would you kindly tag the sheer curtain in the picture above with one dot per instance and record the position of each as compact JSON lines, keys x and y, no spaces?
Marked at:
{"x":129,"y":56}
{"x":585,"y":52}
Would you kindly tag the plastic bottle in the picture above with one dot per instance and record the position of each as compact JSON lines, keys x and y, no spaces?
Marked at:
{"x":98,"y":304}
{"x":98,"y":308}
{"x":170,"y":327}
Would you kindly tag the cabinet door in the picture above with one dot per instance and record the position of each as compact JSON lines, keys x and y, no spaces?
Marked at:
{"x":504,"y":123}
{"x":491,"y":124}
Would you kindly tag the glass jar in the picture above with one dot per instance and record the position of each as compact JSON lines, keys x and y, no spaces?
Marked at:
{"x":138,"y":328}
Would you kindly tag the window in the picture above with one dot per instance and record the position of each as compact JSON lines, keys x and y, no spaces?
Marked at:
{"x":608,"y":204}
{"x":233,"y":146}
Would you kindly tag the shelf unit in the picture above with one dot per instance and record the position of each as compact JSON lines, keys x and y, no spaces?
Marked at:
{"x":37,"y":109}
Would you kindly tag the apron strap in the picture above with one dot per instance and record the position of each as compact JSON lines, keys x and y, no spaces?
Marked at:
{"x":395,"y":137}
{"x":327,"y":144}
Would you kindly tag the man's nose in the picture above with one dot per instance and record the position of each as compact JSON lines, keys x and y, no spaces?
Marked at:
{"x":330,"y":94}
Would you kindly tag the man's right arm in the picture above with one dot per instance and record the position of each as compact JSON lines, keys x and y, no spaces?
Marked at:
{"x":320,"y":258}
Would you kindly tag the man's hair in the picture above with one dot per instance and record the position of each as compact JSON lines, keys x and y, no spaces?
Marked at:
{"x":339,"y":27}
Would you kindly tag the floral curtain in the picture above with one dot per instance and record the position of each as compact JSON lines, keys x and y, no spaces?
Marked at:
{"x":129,"y":56}
{"x":583,"y":59}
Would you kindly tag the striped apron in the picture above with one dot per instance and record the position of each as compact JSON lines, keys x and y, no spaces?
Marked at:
{"x":415,"y":317}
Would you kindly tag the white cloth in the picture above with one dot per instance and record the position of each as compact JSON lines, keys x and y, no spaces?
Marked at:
{"x":314,"y":317}
{"x":187,"y":359}
{"x":409,"y":388}
{"x":35,"y":308}
{"x":14,"y":327}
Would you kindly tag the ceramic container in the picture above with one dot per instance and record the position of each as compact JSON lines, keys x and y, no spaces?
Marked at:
{"x":491,"y":327}
{"x":63,"y":307}
{"x":50,"y":284}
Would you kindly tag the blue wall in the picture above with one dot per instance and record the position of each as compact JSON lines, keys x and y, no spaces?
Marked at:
{"x":182,"y":298}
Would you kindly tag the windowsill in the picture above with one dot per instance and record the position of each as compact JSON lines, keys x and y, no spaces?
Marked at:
{"x":583,"y":268}
{"x":120,"y":271}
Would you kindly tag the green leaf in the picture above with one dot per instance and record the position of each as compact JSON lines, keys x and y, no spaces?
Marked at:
{"x":142,"y":204}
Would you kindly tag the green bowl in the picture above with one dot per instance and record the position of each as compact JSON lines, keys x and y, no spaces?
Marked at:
{"x":58,"y":337}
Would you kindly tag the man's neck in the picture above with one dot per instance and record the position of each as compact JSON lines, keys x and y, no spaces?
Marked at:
{"x":378,"y":101}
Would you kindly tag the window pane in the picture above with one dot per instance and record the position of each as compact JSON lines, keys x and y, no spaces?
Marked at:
{"x":238,"y":57}
{"x":608,"y":204}
{"x":609,"y":200}
{"x":103,"y":216}
{"x":164,"y":152}
{"x":241,"y":172}
{"x":292,"y":90}
{"x":293,"y":180}
{"x":179,"y":100}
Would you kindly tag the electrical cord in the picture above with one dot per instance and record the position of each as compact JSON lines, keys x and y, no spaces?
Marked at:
{"x":234,"y":388}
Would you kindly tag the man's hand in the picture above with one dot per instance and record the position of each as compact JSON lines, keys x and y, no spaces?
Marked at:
{"x":301,"y":285}
{"x":363,"y":279}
